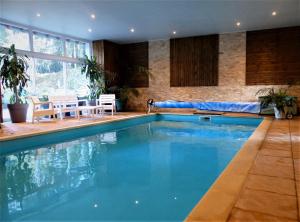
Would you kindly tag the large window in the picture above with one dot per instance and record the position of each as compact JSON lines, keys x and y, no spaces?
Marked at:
{"x":54,"y":61}
{"x":49,"y":79}
{"x":12,"y":35}
{"x":76,"y":49}
{"x":54,"y":77}
{"x":75,"y":81}
{"x":48,"y":44}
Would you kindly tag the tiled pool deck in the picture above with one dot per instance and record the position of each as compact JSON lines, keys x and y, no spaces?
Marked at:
{"x":271,"y":191}
{"x":11,"y":130}
{"x":262,"y":183}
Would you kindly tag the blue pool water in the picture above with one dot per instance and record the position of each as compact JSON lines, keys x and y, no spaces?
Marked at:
{"x":150,"y":168}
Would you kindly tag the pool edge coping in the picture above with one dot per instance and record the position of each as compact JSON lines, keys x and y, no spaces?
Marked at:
{"x":218,"y":202}
{"x":25,"y":135}
{"x":30,"y":134}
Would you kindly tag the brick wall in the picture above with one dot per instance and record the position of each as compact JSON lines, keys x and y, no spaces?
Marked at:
{"x":232,"y":69}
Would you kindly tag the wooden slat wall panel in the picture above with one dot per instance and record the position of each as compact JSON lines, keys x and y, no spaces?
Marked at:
{"x":273,"y":56}
{"x":111,"y":56}
{"x":98,"y":51}
{"x":107,"y":54}
{"x":111,"y":63}
{"x":194,"y":61}
{"x":134,"y":58}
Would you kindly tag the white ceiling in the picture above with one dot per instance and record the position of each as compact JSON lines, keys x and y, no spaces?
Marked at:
{"x":151,"y":19}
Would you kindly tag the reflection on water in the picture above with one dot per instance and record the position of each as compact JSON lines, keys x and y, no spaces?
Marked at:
{"x":142,"y":172}
{"x":43,"y":173}
{"x":40,"y":174}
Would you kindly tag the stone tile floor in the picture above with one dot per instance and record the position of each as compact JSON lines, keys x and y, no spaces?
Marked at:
{"x":11,"y":130}
{"x":271,"y":191}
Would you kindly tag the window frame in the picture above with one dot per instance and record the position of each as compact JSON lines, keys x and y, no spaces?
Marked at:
{"x":14,"y":27}
{"x":42,"y":34}
{"x":38,"y":55}
{"x":31,"y":53}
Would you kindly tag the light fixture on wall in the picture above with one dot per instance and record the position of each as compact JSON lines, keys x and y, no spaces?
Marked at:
{"x":132,"y":30}
{"x":274,"y":13}
{"x":90,"y":30}
{"x":93,"y":16}
{"x":38,"y":14}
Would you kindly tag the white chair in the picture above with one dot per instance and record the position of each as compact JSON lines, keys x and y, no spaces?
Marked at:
{"x":107,"y":102}
{"x":39,"y":111}
{"x":65,"y":104}
{"x":70,"y":103}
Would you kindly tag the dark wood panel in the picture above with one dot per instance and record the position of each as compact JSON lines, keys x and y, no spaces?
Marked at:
{"x":112,"y":63}
{"x":273,"y":56}
{"x":134,"y":64}
{"x":111,"y":56}
{"x":98,"y":51}
{"x":194,"y":61}
{"x":107,"y":54}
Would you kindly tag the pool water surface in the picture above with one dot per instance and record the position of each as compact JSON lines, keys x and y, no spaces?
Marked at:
{"x":157,"y":169}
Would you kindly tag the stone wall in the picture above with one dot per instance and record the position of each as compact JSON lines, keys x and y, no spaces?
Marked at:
{"x":232,"y":69}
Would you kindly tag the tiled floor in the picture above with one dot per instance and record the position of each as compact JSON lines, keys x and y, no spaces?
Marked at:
{"x":272,"y":189}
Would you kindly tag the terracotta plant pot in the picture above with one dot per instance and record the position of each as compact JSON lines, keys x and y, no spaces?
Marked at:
{"x":18,"y":112}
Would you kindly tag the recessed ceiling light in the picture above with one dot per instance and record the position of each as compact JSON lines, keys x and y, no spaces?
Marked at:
{"x":38,"y":15}
{"x":132,"y":30}
{"x":174,"y":32}
{"x":93,"y":16}
{"x":238,"y":24}
{"x":274,"y":13}
{"x":90,"y":30}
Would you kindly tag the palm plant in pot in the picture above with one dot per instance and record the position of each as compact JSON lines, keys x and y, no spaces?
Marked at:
{"x":14,"y":77}
{"x":123,"y":93}
{"x":279,"y":99}
{"x":124,"y":89}
{"x":96,"y":75}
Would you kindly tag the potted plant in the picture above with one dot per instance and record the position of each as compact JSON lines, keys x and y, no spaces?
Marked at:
{"x":122,"y":88}
{"x":122,"y":94}
{"x":96,"y":75}
{"x":13,"y":76}
{"x":279,"y":99}
{"x":290,"y":106}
